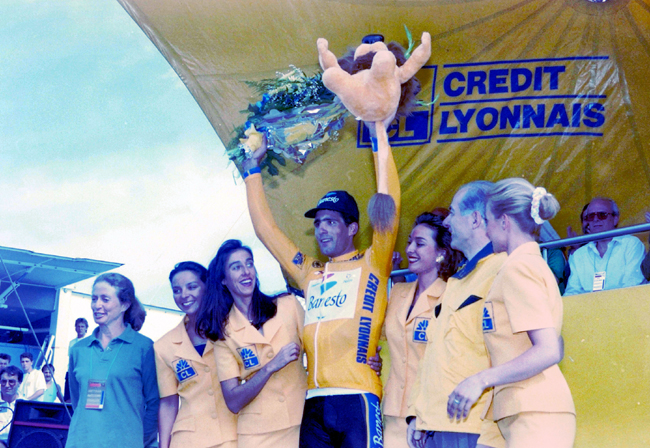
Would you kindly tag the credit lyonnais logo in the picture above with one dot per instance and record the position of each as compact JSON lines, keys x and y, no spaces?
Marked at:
{"x":184,"y":370}
{"x":521,"y":98}
{"x":248,"y":356}
{"x":420,"y":329}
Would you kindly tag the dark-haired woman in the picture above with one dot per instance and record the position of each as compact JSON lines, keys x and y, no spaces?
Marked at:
{"x":257,"y":350}
{"x":522,"y":323}
{"x":192,"y":409}
{"x":112,"y":373}
{"x":409,"y":314}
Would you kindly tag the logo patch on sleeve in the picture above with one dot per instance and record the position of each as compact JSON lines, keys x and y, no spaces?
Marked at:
{"x":488,"y":318}
{"x":184,"y":370}
{"x":248,"y":356}
{"x":299,"y":259}
{"x":420,"y":329}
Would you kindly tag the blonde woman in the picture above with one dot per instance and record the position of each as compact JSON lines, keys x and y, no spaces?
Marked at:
{"x":522,"y":322}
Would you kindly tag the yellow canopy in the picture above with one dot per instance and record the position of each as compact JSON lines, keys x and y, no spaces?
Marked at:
{"x":554,"y":91}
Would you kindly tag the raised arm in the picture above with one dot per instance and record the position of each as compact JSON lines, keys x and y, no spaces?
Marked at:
{"x":386,"y":225}
{"x":266,"y":229}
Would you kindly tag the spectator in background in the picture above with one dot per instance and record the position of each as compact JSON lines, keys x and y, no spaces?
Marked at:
{"x":5,"y":360}
{"x":10,"y":379}
{"x":81,"y":327}
{"x":609,"y":263}
{"x":585,"y":230}
{"x":33,"y":385}
{"x":645,"y":264}
{"x":53,"y":391}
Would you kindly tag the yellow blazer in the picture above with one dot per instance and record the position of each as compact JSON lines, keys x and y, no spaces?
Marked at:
{"x":406,"y":336}
{"x":203,"y":418}
{"x":280,"y":403}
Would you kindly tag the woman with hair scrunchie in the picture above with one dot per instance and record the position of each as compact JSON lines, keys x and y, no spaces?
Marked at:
{"x":112,"y":373}
{"x":522,"y":323}
{"x":192,"y":409}
{"x":409,"y":314}
{"x":258,"y":350}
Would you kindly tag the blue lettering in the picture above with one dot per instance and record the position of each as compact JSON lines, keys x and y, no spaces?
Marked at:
{"x":593,"y":111}
{"x":364,"y":339}
{"x":558,"y":116}
{"x":476,"y":79}
{"x":463,"y":120}
{"x":517,"y":86}
{"x":444,"y":128}
{"x":538,"y":79}
{"x":537,"y":116}
{"x":480,"y":118}
{"x":554,"y":71}
{"x":575,"y":115}
{"x":498,"y":79}
{"x":511,"y":118}
{"x":449,"y":90}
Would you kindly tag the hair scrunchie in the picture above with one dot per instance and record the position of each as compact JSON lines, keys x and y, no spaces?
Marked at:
{"x":538,"y":194}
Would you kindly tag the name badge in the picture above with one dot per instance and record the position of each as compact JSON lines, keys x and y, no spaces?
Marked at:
{"x":599,"y":281}
{"x":96,"y":394}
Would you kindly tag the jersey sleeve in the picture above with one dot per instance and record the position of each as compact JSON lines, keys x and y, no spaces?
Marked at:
{"x":384,"y":242}
{"x":525,"y":295}
{"x":281,"y":247}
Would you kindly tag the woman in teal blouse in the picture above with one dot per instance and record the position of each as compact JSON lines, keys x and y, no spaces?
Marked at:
{"x":112,"y":373}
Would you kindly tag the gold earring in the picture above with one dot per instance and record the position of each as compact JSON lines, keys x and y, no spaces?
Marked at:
{"x":440,"y":259}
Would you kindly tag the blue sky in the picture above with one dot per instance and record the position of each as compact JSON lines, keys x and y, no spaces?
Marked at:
{"x":104,"y":153}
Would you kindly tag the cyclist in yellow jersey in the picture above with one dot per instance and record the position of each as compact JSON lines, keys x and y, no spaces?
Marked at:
{"x":346,"y":302}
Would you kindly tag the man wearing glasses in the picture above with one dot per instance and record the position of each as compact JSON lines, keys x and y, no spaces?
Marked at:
{"x":608,"y":263}
{"x":10,"y":379}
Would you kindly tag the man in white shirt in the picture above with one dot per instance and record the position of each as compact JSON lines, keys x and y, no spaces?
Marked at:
{"x":10,"y":380}
{"x":608,"y":263}
{"x":33,"y":385}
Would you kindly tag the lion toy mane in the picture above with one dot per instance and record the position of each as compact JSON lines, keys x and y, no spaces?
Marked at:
{"x":370,"y":83}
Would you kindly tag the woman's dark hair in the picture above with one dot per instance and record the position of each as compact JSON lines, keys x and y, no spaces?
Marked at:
{"x":217,"y":302}
{"x":442,"y":237}
{"x":135,"y":313}
{"x":191,"y":266}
